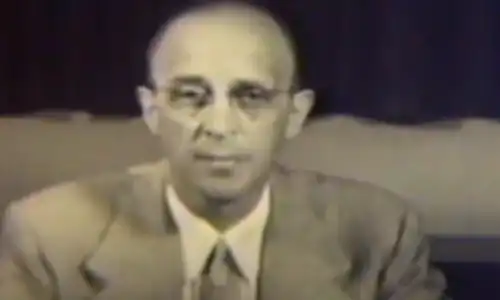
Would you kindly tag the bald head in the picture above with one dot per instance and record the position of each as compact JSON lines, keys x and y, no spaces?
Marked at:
{"x":226,"y":24}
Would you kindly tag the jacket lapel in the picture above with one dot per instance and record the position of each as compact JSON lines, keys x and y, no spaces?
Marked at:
{"x":301,"y":256}
{"x":140,"y":255}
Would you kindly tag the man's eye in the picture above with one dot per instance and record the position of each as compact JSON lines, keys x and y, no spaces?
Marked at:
{"x":253,"y":97}
{"x":188,"y":96}
{"x":186,"y":93}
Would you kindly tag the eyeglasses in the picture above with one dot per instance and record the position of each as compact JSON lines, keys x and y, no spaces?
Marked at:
{"x":197,"y":96}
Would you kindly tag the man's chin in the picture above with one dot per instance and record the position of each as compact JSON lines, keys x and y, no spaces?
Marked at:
{"x":222,"y":185}
{"x":222,"y":193}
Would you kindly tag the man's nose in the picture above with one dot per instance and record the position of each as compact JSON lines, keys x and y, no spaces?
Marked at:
{"x":220,"y":121}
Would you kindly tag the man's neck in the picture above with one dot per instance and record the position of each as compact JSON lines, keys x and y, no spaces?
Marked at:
{"x":224,"y":216}
{"x":220,"y":213}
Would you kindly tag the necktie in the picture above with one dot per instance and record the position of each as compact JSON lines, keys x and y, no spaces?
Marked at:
{"x":220,"y":279}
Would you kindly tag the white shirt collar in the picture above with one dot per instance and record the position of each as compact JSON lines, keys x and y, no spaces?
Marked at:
{"x":199,"y":237}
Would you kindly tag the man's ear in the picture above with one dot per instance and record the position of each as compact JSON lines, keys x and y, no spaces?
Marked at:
{"x":149,"y":107}
{"x":302,"y":103}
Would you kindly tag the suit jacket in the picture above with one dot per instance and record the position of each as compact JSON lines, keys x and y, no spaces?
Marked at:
{"x":112,"y":238}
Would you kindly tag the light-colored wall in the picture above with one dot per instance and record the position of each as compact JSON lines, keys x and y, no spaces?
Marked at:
{"x":35,"y":153}
{"x":449,"y":173}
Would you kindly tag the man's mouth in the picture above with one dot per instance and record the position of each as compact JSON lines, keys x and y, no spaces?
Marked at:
{"x":220,"y":157}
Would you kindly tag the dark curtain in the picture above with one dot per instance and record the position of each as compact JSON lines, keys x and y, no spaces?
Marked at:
{"x":394,"y":60}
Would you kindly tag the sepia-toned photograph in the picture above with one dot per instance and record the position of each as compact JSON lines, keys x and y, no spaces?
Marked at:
{"x":250,"y":150}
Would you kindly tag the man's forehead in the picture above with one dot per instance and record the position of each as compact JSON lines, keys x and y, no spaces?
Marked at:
{"x":230,"y":15}
{"x":231,"y":34}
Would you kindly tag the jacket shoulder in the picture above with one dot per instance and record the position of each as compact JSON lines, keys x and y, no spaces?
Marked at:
{"x":350,"y":195}
{"x":365,"y":213}
{"x":73,"y":212}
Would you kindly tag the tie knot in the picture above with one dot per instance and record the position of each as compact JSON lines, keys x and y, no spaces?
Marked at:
{"x":218,"y":263}
{"x":220,"y":280}
{"x":221,"y":250}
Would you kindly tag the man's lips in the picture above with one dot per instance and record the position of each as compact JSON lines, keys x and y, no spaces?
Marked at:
{"x":220,"y":157}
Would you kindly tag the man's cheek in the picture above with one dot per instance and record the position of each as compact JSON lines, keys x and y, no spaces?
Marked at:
{"x":179,"y":131}
{"x":262,"y":141}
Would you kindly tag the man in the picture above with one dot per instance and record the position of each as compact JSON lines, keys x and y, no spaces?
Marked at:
{"x":220,"y":221}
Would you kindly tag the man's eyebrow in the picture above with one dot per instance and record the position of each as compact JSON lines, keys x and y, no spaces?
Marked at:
{"x":189,"y":79}
{"x":247,"y":83}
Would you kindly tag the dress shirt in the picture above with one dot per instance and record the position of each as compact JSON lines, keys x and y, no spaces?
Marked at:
{"x":199,"y":238}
